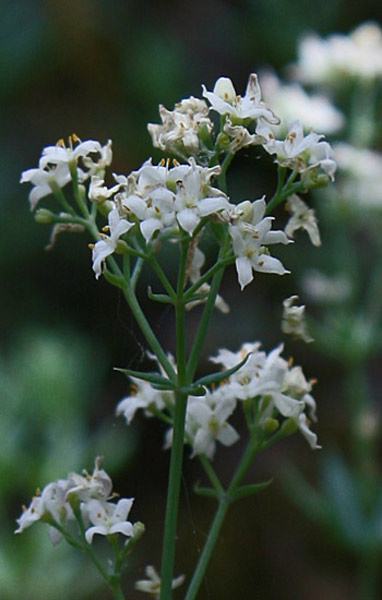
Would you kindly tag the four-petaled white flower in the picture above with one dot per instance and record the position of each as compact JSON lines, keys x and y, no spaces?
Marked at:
{"x":225,"y":101}
{"x":249,"y":239}
{"x":109,"y":518}
{"x":206,"y":422}
{"x":152,"y":584}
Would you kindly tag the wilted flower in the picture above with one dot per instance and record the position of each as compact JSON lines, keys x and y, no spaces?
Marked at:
{"x":302,"y":217}
{"x":293,"y":320}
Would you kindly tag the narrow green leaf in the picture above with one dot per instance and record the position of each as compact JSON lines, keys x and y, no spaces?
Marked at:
{"x":164,"y":298}
{"x":220,"y":375}
{"x":113,"y":279}
{"x":252,"y":488}
{"x":193,"y":391}
{"x":205,"y":491}
{"x":150,"y":377}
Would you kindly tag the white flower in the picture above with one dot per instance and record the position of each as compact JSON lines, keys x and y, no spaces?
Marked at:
{"x":180,"y":195}
{"x":360,"y":180}
{"x":107,"y":245}
{"x":97,"y":485}
{"x":195,"y":198}
{"x":293,"y":320}
{"x":31,"y":514}
{"x":49,"y":504}
{"x":143,"y":396}
{"x":45,"y":181}
{"x":98,"y":192}
{"x":290,"y":101}
{"x":225,"y":101}
{"x":155,"y":213}
{"x":296,"y":151}
{"x":248,"y":241}
{"x":358,"y":55}
{"x":82,"y":155}
{"x":302,"y":217}
{"x":239,"y":137}
{"x":152,"y":584}
{"x":206,"y":422}
{"x":108,"y":518}
{"x":180,"y":127}
{"x":325,"y":288}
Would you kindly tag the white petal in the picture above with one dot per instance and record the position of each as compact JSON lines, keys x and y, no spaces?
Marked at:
{"x":244,"y":271}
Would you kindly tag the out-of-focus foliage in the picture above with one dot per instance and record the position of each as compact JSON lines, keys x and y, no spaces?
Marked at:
{"x":100,"y":69}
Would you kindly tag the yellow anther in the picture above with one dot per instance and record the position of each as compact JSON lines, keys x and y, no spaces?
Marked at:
{"x":24,"y":508}
{"x":75,"y":138}
{"x":175,"y":162}
{"x":91,"y":246}
{"x":61,"y":142}
{"x":290,"y":361}
{"x":106,"y":228}
{"x":313,"y":381}
{"x":162,"y":162}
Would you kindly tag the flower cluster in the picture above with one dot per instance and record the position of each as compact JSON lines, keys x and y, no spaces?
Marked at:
{"x":269,"y":381}
{"x":181,"y":127}
{"x":85,"y":497}
{"x":358,"y":55}
{"x":171,"y":200}
{"x":58,"y":164}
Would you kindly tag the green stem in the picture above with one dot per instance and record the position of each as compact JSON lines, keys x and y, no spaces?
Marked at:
{"x":124,"y":282}
{"x":145,"y":327}
{"x":162,"y":276}
{"x":208,"y":549}
{"x":136,"y":272}
{"x":225,"y":500}
{"x":207,"y":313}
{"x":176,"y":460}
{"x":222,"y":177}
{"x":210,"y":472}
{"x":81,"y":203}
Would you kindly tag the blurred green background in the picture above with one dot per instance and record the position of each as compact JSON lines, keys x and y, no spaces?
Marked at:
{"x":100,"y":69}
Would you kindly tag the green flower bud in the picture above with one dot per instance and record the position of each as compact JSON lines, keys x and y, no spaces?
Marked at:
{"x":138,"y":530}
{"x":289,"y":426}
{"x":44,"y":216}
{"x":270,"y":425}
{"x":121,"y":247}
{"x":223,"y":141}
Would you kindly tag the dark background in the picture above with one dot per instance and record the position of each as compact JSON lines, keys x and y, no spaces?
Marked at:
{"x":100,"y":69}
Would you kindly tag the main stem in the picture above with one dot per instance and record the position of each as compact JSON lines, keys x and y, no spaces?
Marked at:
{"x":225,"y":500}
{"x":169,"y":538}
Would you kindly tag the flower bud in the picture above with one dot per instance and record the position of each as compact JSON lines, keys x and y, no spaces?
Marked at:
{"x":121,"y":247}
{"x":223,"y":141}
{"x":270,"y":425}
{"x":44,"y":216}
{"x":138,"y":530}
{"x":224,"y":88}
{"x":289,"y":426}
